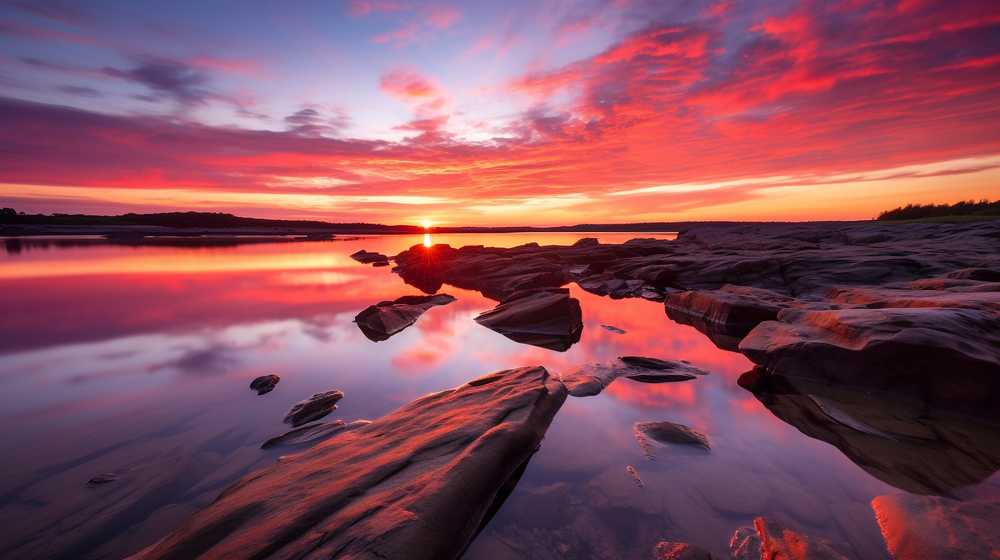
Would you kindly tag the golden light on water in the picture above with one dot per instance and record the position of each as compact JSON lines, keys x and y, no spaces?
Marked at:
{"x":427,"y":240}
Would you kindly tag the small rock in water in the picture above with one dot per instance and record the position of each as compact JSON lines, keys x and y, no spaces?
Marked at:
{"x":634,"y":475}
{"x":102,"y":478}
{"x":264,"y":384}
{"x":546,"y":317}
{"x":613,"y":329}
{"x":313,"y":408}
{"x":669,"y":432}
{"x":384,"y":319}
{"x":368,"y":257}
{"x":655,"y":370}
{"x":670,"y":550}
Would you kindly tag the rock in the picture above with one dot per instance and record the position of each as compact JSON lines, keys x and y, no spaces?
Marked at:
{"x":905,"y":350}
{"x":311,"y":434}
{"x":380,"y":321}
{"x":102,"y":478}
{"x":634,"y":475}
{"x":930,"y":528}
{"x":669,"y":550}
{"x":904,"y":442}
{"x":670,"y":433}
{"x":367,"y":257}
{"x":767,"y":539}
{"x":728,"y":313}
{"x":418,"y":483}
{"x":264,"y":384}
{"x":613,"y":329}
{"x":380,"y":263}
{"x":591,"y":379}
{"x":313,"y":408}
{"x":546,"y":317}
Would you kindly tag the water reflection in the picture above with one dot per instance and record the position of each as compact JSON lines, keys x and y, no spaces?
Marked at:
{"x":137,"y":360}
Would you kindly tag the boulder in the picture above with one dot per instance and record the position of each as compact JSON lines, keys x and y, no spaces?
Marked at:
{"x":669,"y":433}
{"x":313,"y":408}
{"x":418,"y":483}
{"x":380,"y":321}
{"x":545,"y":317}
{"x":264,"y":384}
{"x":943,"y":356}
{"x":932,"y":528}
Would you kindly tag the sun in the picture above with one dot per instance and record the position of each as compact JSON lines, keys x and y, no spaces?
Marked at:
{"x":426,"y":223}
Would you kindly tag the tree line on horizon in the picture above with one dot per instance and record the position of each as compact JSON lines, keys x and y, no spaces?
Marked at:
{"x":963,"y":208}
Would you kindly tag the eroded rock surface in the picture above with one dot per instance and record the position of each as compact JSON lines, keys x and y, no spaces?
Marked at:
{"x":726,"y":314}
{"x":264,"y":384}
{"x":546,"y":317}
{"x":313,"y":408}
{"x":670,"y":433}
{"x":311,"y":434}
{"x":931,"y":528}
{"x":670,"y":550}
{"x":380,"y":321}
{"x":418,"y":483}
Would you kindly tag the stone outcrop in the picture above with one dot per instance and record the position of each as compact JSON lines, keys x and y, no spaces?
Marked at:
{"x":418,"y":483}
{"x":726,"y":315}
{"x":311,"y":434}
{"x":369,"y":257}
{"x":546,"y":317}
{"x":767,"y":539}
{"x":380,"y":321}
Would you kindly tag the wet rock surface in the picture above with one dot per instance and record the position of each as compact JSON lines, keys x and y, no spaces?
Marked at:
{"x":671,"y":433}
{"x":904,"y":442}
{"x":590,"y":379}
{"x":417,"y":483}
{"x":669,"y":550}
{"x":311,"y":434}
{"x":726,"y":314}
{"x":380,"y":321}
{"x":767,"y":539}
{"x":264,"y":384}
{"x":546,"y":317}
{"x":313,"y":408}
{"x":932,"y":528}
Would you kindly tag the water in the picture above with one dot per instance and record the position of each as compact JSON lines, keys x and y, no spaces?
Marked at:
{"x":136,"y":360}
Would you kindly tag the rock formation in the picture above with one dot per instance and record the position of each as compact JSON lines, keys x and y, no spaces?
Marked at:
{"x":546,"y":317}
{"x":380,"y":321}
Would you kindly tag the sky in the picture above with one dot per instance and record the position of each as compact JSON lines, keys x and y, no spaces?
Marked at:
{"x":539,"y":112}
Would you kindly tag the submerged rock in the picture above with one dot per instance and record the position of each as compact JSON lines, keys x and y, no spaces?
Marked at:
{"x":546,"y":317}
{"x":670,"y":550}
{"x":367,"y":257}
{"x":670,"y":433}
{"x":767,"y":539}
{"x":634,"y":475}
{"x":313,"y":408}
{"x":264,"y":384}
{"x":418,"y":483}
{"x":380,"y":321}
{"x":311,"y":434}
{"x":591,"y":379}
{"x":928,"y":528}
{"x":613,"y":329}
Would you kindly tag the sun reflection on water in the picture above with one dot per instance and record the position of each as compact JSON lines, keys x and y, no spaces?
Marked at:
{"x":427,"y":240}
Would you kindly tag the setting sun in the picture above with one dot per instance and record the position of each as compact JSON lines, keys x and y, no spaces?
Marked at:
{"x":426,"y":223}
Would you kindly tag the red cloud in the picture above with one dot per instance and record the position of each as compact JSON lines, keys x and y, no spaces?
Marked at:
{"x":407,"y":85}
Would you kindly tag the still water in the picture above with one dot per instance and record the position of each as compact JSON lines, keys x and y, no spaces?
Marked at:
{"x":136,"y":360}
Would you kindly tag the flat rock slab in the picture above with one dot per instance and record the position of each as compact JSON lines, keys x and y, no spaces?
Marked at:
{"x":313,"y":408}
{"x":942,"y":355}
{"x":931,"y":528}
{"x":264,"y":384}
{"x":726,"y":315}
{"x":418,"y":483}
{"x":591,"y":379}
{"x":380,"y":321}
{"x":613,"y":329}
{"x":545,"y":317}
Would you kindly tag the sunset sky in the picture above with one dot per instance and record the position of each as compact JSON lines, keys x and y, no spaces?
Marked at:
{"x":491,"y":113}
